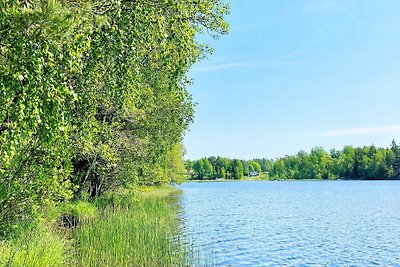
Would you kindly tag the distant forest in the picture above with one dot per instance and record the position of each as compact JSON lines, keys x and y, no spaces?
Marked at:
{"x":368,"y":162}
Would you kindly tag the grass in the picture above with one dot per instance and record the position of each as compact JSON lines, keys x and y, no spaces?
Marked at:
{"x":159,"y":191}
{"x":143,"y":231}
{"x":133,"y":227}
{"x":41,"y":246}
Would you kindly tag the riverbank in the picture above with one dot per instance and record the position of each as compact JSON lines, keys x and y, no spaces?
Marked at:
{"x":131,"y":227}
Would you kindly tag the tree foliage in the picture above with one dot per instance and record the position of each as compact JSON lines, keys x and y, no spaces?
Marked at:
{"x":220,"y":167}
{"x":368,"y":162}
{"x":93,"y":95}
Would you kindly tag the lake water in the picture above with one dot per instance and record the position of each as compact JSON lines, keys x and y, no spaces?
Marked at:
{"x":295,"y":223}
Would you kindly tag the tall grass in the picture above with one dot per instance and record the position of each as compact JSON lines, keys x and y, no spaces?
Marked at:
{"x":128,"y":228}
{"x":41,"y":246}
{"x":138,"y":231}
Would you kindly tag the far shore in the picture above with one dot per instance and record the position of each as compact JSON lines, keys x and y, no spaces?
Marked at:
{"x":252,"y":179}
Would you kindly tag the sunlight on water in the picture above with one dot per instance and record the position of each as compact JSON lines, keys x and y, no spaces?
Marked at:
{"x":290,"y":223}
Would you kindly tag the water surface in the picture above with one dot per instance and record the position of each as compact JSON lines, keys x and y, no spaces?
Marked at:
{"x":295,"y":223}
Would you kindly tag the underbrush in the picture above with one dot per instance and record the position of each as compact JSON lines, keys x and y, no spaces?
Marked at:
{"x":39,"y":246}
{"x":130,"y":227}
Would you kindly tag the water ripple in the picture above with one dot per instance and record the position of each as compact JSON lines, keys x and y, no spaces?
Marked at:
{"x":338,"y":223}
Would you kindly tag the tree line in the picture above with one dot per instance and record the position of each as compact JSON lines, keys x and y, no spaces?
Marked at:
{"x":220,"y":167}
{"x":368,"y":162}
{"x":93,"y":96}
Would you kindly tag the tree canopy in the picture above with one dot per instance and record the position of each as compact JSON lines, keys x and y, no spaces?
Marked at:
{"x":93,"y":95}
{"x":368,"y":162}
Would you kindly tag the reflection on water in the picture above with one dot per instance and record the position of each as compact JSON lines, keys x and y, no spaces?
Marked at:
{"x":295,"y":223}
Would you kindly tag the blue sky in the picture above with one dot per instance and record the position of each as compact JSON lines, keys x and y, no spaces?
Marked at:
{"x":293,"y":75}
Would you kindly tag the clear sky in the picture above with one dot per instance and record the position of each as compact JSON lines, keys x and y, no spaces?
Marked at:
{"x":293,"y":75}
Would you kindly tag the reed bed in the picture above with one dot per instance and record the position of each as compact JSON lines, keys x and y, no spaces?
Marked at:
{"x":135,"y":227}
{"x":40,"y":246}
{"x":138,"y":231}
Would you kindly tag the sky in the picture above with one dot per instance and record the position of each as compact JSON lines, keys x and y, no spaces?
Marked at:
{"x":293,"y":75}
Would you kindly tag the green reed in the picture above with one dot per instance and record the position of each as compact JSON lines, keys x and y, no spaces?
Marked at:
{"x":138,"y":231}
{"x":132,"y":227}
{"x":40,"y":246}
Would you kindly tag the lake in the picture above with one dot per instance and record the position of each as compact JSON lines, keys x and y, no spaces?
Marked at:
{"x":294,"y":223}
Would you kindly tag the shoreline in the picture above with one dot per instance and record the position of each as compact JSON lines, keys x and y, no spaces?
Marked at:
{"x":144,"y":219}
{"x":282,"y":180}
